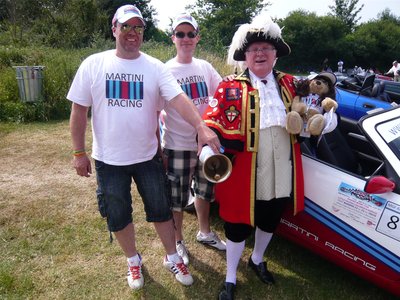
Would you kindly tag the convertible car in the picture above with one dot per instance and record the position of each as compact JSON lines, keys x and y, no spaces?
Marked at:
{"x":358,"y":95}
{"x":352,"y":216}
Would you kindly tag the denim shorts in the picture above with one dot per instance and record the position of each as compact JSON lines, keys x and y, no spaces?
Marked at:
{"x":182,"y":168}
{"x":114,"y":192}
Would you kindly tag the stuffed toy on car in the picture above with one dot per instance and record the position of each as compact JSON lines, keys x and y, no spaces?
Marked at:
{"x":315,"y":97}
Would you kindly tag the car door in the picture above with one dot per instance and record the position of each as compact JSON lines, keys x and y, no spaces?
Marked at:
{"x":357,"y":230}
{"x":353,"y":105}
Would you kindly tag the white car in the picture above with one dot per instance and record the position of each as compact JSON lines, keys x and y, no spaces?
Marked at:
{"x":352,"y":199}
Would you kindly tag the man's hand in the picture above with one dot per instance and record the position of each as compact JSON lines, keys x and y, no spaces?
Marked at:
{"x":207,"y":137}
{"x":82,"y":165}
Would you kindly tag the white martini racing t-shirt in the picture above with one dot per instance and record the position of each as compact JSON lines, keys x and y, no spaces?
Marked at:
{"x":125,"y":96}
{"x":198,"y":80}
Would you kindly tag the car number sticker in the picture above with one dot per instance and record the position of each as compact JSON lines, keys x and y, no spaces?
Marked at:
{"x":389,"y":223}
{"x":359,"y":206}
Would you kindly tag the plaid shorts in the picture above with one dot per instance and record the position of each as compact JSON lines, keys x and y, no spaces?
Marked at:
{"x":182,"y":168}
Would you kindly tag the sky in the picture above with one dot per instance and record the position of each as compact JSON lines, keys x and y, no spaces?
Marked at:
{"x":280,"y":8}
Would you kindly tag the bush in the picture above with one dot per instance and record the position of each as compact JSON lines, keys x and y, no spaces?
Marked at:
{"x":8,"y":85}
{"x":10,"y":56}
{"x":25,"y":112}
{"x":11,"y":111}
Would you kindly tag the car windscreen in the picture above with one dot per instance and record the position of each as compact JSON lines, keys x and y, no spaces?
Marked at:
{"x":390,"y":132}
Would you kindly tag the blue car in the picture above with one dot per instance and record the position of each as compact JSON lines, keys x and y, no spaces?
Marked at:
{"x":358,"y":96}
{"x":353,"y":105}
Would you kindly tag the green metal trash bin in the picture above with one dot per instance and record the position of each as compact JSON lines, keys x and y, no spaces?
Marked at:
{"x":30,"y":81}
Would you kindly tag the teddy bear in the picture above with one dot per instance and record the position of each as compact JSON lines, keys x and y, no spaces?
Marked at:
{"x":315,"y":95}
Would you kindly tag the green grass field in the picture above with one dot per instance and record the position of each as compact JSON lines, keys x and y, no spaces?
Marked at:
{"x":54,"y":244}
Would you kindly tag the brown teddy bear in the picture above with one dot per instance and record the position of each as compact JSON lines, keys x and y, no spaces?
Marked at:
{"x":315,"y":96}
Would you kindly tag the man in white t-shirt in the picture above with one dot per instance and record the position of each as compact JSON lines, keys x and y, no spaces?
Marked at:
{"x":126,"y":89}
{"x":199,"y":80}
{"x":395,"y":70}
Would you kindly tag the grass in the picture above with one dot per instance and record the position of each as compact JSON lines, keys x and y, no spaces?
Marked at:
{"x":54,"y":244}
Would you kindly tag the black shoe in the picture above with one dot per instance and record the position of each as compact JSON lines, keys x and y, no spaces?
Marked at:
{"x":227,"y":292}
{"x":262,"y":271}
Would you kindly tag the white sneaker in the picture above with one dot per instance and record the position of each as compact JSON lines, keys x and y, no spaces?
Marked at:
{"x":180,"y":270}
{"x":135,"y":276}
{"x":211,"y":240}
{"x":183,"y":252}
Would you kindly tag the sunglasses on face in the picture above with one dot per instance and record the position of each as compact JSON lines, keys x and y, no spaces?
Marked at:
{"x":125,"y":28}
{"x":190,"y":34}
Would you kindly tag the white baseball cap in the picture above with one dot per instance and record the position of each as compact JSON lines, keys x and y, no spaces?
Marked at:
{"x":185,"y":18}
{"x":127,"y":12}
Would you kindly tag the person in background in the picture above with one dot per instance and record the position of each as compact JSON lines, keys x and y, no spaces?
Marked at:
{"x":199,"y":80}
{"x":123,"y":87}
{"x":395,"y":71}
{"x":340,"y":66}
{"x":249,"y":114}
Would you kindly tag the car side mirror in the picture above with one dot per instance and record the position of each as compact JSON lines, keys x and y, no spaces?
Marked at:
{"x":379,"y":185}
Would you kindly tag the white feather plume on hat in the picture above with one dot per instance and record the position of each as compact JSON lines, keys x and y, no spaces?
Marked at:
{"x":265,"y":25}
{"x":262,"y":28}
{"x":238,"y":40}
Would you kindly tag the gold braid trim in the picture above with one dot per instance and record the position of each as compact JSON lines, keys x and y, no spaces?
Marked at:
{"x":226,"y":131}
{"x":251,"y":107}
{"x":253,"y":186}
{"x":253,"y":121}
{"x":244,"y":107}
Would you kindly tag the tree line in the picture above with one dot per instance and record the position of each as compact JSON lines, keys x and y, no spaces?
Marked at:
{"x":74,"y":24}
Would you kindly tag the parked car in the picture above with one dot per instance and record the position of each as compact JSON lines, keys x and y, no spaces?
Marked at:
{"x":359,"y":95}
{"x":352,"y":199}
{"x":354,"y":105}
{"x":392,"y":88}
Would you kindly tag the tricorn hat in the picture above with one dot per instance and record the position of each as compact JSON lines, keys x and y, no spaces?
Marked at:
{"x":262,"y":29}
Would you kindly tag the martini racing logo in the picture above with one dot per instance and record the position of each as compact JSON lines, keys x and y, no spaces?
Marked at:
{"x":124,"y":90}
{"x":196,"y":89}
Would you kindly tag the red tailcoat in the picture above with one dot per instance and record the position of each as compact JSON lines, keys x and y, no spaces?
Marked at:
{"x":234,"y":115}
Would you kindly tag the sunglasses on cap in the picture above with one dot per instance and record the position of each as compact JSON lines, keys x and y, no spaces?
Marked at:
{"x":125,"y":28}
{"x":181,"y":34}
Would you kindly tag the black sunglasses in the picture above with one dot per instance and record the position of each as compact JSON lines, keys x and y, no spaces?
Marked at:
{"x":190,"y":34}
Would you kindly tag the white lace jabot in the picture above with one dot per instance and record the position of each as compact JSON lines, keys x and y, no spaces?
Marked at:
{"x":272,"y":109}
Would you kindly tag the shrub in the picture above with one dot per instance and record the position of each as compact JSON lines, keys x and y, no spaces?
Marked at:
{"x":8,"y":85}
{"x":10,"y":56}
